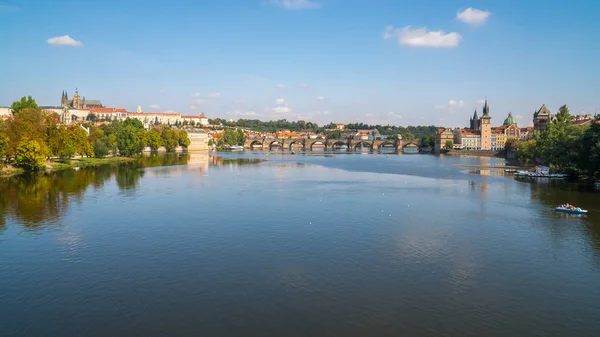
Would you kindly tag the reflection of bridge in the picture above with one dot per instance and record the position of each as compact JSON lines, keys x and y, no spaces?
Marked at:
{"x":327,"y":144}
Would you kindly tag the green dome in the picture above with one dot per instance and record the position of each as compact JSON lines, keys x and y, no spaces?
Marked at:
{"x":510,"y":120}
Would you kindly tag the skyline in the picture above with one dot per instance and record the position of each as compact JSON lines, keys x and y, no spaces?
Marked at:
{"x":417,"y":63}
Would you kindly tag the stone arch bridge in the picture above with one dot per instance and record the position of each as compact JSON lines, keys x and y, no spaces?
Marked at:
{"x":327,"y":144}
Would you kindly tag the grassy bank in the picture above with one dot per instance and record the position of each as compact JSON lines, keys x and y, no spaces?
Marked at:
{"x":9,"y":170}
{"x":85,"y":162}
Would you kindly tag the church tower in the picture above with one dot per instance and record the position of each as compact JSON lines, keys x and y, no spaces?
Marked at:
{"x":486,"y":128}
{"x":64,"y":101}
{"x":76,"y":100}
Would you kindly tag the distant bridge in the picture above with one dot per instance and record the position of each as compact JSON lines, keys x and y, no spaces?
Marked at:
{"x":328,"y":144}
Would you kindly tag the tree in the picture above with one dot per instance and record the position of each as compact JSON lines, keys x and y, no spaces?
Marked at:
{"x":92,"y":117}
{"x":27,"y":124}
{"x":170,"y":139}
{"x":184,"y":139}
{"x":130,"y":140}
{"x":563,"y":115}
{"x":24,"y":103}
{"x":449,"y":145}
{"x":154,"y":138}
{"x":428,"y":141}
{"x":526,"y":151}
{"x":408,"y":136}
{"x":511,"y":144}
{"x":30,"y":155}
{"x":100,"y":148}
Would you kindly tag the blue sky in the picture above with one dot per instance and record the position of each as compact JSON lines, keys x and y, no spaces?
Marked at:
{"x":413,"y":62}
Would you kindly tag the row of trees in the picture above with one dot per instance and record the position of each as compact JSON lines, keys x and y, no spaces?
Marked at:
{"x":228,"y":137}
{"x":564,"y":147}
{"x":32,"y":136}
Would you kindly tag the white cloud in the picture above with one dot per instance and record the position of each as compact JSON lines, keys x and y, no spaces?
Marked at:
{"x":209,"y":95}
{"x":518,"y":117}
{"x":192,"y":107}
{"x":296,"y":4}
{"x":451,"y":105}
{"x":281,"y":86}
{"x":154,"y":106}
{"x":281,"y":107}
{"x":421,"y":37}
{"x":394,"y":115}
{"x":481,"y":101}
{"x":242,"y":113}
{"x":64,"y":40}
{"x":473,"y":16}
{"x":321,"y":98}
{"x":368,"y":114}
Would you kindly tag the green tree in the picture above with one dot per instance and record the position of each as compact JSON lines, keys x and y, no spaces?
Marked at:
{"x":3,"y":140}
{"x":526,"y":151}
{"x":27,"y":124}
{"x":184,"y":139}
{"x":563,"y":115}
{"x":511,"y":144}
{"x":100,"y":148}
{"x":22,"y":104}
{"x":448,"y":145}
{"x":154,"y":138}
{"x":589,"y":160}
{"x":170,"y":139}
{"x":129,"y":137}
{"x":30,"y":155}
{"x":408,"y":136}
{"x":92,"y":117}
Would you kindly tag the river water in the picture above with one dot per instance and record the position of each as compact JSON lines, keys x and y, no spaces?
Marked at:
{"x":297,"y":245}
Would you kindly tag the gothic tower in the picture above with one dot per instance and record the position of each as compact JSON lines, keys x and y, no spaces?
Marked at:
{"x":486,"y":128}
{"x":64,"y":101}
{"x":76,"y":100}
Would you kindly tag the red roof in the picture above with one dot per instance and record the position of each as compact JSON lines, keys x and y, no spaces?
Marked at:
{"x":154,"y":113}
{"x":107,"y":110}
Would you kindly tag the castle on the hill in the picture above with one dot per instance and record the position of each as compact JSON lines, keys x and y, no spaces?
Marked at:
{"x":78,"y":102}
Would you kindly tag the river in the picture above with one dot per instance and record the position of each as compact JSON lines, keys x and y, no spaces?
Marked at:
{"x":241,"y":244}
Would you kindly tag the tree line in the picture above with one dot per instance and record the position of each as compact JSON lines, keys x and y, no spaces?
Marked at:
{"x":32,"y":136}
{"x":564,"y":147}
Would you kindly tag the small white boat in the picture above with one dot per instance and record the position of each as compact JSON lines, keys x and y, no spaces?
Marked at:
{"x":571,"y":210}
{"x":236,"y":148}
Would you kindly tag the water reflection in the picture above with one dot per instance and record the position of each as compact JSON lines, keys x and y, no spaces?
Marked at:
{"x":37,"y":200}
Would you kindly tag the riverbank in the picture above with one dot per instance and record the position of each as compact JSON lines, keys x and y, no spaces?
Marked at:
{"x":85,"y":162}
{"x":475,"y":153}
{"x":55,"y":165}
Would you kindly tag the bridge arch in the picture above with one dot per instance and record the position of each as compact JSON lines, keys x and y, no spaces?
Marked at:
{"x":274,"y":143}
{"x":296,"y":142}
{"x":318,"y":142}
{"x":335,"y":143}
{"x":362,"y":144}
{"x":386,"y":144}
{"x":254,"y":143}
{"x":411,"y":147}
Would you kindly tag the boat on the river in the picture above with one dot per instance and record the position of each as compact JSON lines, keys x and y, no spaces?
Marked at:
{"x":540,"y":172}
{"x":570,"y":209}
{"x":236,"y":148}
{"x":510,"y":171}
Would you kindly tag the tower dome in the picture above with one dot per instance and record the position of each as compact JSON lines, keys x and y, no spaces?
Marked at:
{"x":510,"y":119}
